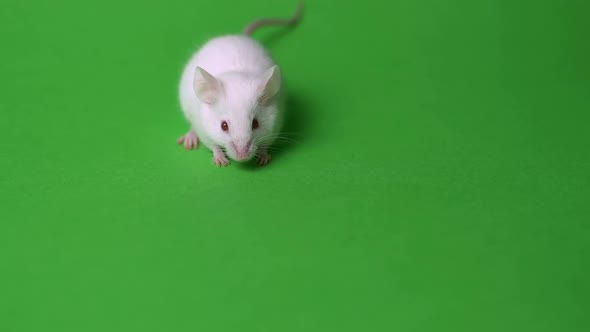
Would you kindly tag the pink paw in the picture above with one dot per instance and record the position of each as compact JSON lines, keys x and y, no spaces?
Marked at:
{"x":219,"y":159}
{"x":190,"y":140}
{"x":263,"y":159}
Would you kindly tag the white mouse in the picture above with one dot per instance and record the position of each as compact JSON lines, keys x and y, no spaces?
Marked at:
{"x":232,"y":95}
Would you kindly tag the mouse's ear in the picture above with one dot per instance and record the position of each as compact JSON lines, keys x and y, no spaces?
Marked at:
{"x":207,"y":87}
{"x":271,"y":84}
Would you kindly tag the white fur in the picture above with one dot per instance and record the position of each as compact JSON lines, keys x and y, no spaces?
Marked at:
{"x":224,"y":81}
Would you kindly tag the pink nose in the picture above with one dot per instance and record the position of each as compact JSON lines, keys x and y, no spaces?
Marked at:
{"x":242,"y":153}
{"x":241,"y":150}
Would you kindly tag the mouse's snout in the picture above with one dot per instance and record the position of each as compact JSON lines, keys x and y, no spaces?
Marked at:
{"x":243,"y":151}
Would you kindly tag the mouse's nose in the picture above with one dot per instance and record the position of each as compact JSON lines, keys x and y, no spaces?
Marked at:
{"x":242,"y":150}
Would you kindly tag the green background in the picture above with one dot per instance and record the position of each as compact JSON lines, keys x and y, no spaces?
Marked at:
{"x":438,"y":182}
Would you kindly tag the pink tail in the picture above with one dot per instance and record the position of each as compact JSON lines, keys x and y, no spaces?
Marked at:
{"x":249,"y":30}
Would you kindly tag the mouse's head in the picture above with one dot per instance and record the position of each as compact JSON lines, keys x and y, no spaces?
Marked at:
{"x":239,"y":110}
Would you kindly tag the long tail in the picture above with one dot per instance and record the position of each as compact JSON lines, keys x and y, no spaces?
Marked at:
{"x":249,"y":30}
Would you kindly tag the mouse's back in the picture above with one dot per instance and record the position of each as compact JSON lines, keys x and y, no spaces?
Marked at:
{"x":233,"y":53}
{"x":222,"y":54}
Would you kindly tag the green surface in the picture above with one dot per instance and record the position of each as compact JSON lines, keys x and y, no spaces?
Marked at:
{"x":439,"y":181}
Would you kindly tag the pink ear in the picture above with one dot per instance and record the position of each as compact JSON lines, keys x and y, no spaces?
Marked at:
{"x":207,"y":87}
{"x":271,"y":84}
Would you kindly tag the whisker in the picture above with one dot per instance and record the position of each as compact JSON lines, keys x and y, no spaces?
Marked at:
{"x":275,"y":137}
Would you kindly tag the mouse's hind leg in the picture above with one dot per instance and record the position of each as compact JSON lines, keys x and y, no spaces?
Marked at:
{"x":190,"y":140}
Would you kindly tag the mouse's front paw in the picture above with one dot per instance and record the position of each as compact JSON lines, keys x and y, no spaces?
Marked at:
{"x":190,"y":140}
{"x":263,"y":159}
{"x":219,"y":158}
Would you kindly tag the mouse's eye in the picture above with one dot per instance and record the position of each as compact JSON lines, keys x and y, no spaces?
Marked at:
{"x":254,"y":124}
{"x":224,"y":126}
